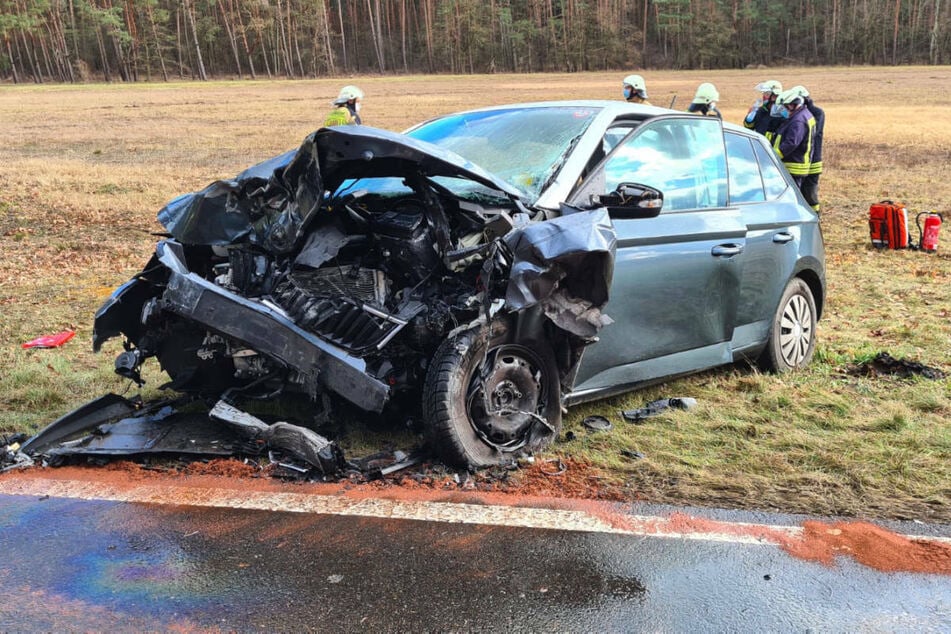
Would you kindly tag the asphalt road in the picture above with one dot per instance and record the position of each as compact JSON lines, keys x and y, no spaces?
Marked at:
{"x":70,"y":564}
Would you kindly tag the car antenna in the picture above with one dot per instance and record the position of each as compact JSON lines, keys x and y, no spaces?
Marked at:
{"x":672,"y":102}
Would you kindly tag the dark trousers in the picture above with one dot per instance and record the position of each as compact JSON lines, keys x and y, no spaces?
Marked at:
{"x":809,"y":186}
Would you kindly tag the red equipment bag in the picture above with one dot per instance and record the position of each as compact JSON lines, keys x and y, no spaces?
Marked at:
{"x":888,"y":225}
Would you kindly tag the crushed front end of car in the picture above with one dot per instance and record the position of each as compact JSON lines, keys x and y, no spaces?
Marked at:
{"x":354,"y":268}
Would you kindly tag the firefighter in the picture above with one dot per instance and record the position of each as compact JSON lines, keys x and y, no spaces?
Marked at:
{"x":810,"y":184}
{"x":705,"y":100}
{"x":346,"y":108}
{"x":635,"y":89}
{"x":758,"y":118}
{"x":794,"y":142}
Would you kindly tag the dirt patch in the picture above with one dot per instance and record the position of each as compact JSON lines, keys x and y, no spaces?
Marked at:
{"x":871,"y":546}
{"x":227,"y":467}
{"x":884,"y":364}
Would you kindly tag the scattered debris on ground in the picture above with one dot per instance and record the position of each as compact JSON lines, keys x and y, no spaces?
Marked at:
{"x":187,"y":437}
{"x":50,"y":341}
{"x":884,"y":364}
{"x":597,"y":423}
{"x":633,"y":455}
{"x":654,"y":408}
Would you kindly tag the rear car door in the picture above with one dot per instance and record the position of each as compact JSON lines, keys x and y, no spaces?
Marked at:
{"x":676,"y":278}
{"x":774,"y":217}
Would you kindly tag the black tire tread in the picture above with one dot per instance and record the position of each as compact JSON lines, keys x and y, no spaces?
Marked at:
{"x":441,"y":432}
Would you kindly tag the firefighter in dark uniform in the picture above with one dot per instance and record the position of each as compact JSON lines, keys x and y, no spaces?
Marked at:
{"x":810,"y":184}
{"x":794,"y":142}
{"x":758,"y":118}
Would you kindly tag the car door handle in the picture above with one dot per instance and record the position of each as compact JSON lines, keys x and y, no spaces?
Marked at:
{"x":783,"y":237}
{"x":726,"y":250}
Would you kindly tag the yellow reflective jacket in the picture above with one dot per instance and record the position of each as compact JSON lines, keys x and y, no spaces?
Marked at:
{"x":339,"y":116}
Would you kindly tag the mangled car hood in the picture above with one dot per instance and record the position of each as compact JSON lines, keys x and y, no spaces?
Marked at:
{"x":270,"y":203}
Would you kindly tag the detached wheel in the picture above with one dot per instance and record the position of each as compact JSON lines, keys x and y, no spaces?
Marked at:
{"x":792,"y":337}
{"x":487,"y":399}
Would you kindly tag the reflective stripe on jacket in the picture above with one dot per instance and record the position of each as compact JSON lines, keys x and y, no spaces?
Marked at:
{"x":338,"y":116}
{"x":819,"y":115}
{"x":793,"y":142}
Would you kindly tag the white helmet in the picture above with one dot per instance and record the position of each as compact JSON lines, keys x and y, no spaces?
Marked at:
{"x":637,"y":83}
{"x":800,"y":90}
{"x":770,"y":85}
{"x":346,"y":94}
{"x":706,"y":94}
{"x":790,"y":97}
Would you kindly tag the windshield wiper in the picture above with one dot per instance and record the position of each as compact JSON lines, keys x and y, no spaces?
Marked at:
{"x":556,"y":166}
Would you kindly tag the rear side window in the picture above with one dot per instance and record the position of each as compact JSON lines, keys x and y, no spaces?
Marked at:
{"x":746,"y":184}
{"x":684,"y":158}
{"x":773,"y":180}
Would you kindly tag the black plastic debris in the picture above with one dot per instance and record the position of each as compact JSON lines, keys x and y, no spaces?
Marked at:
{"x":379,"y":465}
{"x":113,"y":426}
{"x":654,"y":408}
{"x":302,"y":443}
{"x":11,"y":456}
{"x":597,"y":423}
{"x":884,"y":364}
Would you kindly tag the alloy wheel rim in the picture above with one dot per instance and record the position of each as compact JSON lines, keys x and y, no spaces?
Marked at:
{"x":795,"y":331}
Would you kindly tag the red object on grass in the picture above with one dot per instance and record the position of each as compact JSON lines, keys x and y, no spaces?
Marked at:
{"x":51,"y":341}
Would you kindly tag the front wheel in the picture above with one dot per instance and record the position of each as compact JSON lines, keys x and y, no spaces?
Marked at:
{"x":487,"y":398}
{"x":792,"y":336}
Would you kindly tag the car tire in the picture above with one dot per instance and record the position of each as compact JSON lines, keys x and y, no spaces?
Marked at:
{"x":522,"y":414}
{"x":792,"y":335}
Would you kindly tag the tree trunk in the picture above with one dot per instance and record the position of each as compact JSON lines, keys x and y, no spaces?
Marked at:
{"x":328,"y":45}
{"x":232,"y":40}
{"x":158,"y":43}
{"x":13,"y":62}
{"x":933,"y":47}
{"x":343,"y":36}
{"x":375,"y":34}
{"x":190,"y":16}
{"x":244,"y":38}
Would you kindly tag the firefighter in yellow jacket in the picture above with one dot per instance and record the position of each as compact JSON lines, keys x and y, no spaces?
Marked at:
{"x":346,"y":108}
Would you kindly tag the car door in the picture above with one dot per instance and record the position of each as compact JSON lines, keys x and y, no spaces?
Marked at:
{"x":676,"y":277}
{"x":774,"y":218}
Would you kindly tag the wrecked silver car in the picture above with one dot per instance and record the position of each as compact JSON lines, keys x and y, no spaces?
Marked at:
{"x":465,"y":264}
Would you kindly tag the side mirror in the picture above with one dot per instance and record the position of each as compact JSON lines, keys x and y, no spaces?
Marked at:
{"x":632,"y":200}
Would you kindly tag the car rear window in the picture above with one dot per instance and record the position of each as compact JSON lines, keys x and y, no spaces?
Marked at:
{"x":773,"y":180}
{"x":746,"y":184}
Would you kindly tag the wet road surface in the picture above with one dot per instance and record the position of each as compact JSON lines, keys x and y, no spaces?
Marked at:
{"x":80,"y":565}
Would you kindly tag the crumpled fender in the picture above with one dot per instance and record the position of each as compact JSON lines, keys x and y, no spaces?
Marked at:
{"x":565,"y":265}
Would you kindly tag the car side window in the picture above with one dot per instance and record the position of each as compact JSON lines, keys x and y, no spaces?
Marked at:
{"x":615,"y":135}
{"x":746,"y":184}
{"x":684,"y":158}
{"x":773,"y":180}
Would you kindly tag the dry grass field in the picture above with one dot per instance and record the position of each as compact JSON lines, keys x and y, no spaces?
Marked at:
{"x":84,"y":169}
